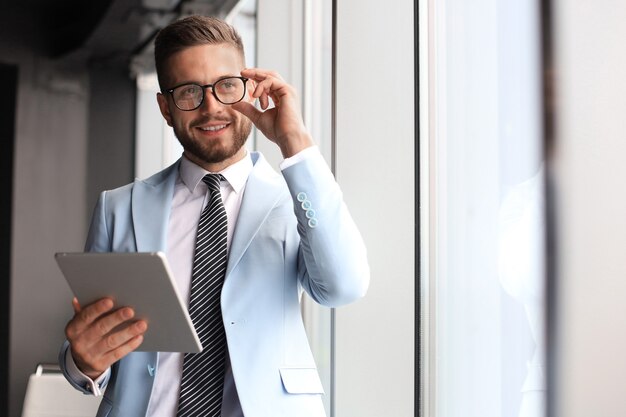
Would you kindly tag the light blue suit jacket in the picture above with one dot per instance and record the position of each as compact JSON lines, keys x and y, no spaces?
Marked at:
{"x":293,"y":233}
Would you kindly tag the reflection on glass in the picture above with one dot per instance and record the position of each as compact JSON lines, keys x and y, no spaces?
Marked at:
{"x":521,"y":263}
{"x":488,"y":217}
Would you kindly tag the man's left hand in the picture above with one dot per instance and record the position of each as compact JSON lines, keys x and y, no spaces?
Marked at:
{"x":282,"y":124}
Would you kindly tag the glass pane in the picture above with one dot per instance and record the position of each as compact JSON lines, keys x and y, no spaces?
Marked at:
{"x":488,"y":319}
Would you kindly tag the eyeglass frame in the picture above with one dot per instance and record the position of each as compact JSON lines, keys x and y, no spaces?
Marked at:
{"x":204,"y":87}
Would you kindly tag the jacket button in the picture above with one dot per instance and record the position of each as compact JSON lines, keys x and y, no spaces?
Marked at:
{"x":313,"y":223}
{"x":306,"y":204}
{"x":301,"y":196}
{"x":310,"y":214}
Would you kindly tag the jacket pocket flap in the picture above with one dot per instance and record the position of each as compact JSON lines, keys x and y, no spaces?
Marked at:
{"x":301,"y":381}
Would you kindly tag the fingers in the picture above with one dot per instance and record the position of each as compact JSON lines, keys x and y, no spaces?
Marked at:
{"x":263,"y":91}
{"x":84,"y":317}
{"x":96,"y":360}
{"x":248,"y":110}
{"x":269,"y":84}
{"x":259,"y":74}
{"x":283,"y":123}
{"x":118,"y":340}
{"x":76,"y":305}
{"x":99,"y":336}
{"x":116,"y":354}
{"x":90,"y":332}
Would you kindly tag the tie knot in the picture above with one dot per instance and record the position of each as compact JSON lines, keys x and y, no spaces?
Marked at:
{"x":213,"y":181}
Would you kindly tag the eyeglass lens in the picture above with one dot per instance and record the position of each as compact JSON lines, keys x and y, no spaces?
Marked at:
{"x":227,"y":91}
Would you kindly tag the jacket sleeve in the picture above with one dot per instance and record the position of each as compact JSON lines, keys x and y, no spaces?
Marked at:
{"x":332,"y":262}
{"x":79,"y":380}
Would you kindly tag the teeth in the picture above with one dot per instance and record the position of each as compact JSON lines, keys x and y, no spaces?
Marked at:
{"x":213,"y":128}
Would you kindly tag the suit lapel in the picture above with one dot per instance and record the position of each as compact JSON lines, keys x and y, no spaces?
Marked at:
{"x":264,"y":190}
{"x":151,"y":206}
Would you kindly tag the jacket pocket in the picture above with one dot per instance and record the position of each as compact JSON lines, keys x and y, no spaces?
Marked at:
{"x":301,"y":381}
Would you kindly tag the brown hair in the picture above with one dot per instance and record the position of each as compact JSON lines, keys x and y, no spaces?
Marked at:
{"x":191,"y":31}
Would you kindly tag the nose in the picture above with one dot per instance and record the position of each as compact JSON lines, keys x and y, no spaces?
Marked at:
{"x":210,"y":104}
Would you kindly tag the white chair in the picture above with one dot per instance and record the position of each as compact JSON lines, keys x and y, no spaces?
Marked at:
{"x":48,"y":394}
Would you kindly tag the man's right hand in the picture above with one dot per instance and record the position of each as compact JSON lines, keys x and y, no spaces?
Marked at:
{"x":100,"y":336}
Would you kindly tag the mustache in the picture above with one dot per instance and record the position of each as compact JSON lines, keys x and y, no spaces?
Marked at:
{"x":204,"y":120}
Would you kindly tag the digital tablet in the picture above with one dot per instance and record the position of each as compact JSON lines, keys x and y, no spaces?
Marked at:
{"x":142,"y":281}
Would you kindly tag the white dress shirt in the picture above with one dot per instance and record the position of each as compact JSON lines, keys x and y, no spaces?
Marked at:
{"x":189,"y":199}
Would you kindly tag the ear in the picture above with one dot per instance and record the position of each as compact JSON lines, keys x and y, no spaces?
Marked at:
{"x":165,"y":108}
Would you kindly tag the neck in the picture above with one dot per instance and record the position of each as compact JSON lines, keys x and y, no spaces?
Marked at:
{"x":217,"y":166}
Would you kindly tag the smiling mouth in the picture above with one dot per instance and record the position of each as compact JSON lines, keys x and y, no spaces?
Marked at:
{"x":213,"y":128}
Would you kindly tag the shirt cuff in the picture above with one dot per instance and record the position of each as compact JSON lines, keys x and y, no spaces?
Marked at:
{"x":93,"y":386}
{"x":306,"y":153}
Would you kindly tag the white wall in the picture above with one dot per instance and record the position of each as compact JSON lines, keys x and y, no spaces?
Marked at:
{"x":590,"y":206}
{"x":375,"y":166}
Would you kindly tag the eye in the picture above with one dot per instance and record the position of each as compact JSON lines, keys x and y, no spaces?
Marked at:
{"x":228,"y":85}
{"x":188,"y":90}
{"x":229,"y":90}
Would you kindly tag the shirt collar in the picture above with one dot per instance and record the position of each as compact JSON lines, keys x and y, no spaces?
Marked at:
{"x":236,"y":174}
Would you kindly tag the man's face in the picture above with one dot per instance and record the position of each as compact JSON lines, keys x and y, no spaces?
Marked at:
{"x":213,"y":135}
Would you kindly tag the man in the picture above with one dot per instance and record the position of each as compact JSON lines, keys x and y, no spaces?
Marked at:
{"x":283,"y":234}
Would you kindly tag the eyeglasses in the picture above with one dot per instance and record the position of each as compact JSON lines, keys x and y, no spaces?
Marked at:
{"x":227,"y":90}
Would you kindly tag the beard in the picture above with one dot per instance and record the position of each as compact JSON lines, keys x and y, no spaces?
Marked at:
{"x":214,"y":152}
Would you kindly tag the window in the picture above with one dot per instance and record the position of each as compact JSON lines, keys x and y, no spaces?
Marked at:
{"x":485,"y":248}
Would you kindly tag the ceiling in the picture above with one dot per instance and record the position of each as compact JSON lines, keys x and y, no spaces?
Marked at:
{"x":101,"y":32}
{"x":50,"y":28}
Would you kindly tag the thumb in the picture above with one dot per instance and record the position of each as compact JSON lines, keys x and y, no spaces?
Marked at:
{"x":248,"y":110}
{"x":76,"y":305}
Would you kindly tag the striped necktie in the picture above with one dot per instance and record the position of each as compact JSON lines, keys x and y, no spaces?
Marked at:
{"x":202,"y":383}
